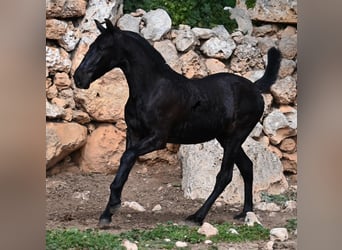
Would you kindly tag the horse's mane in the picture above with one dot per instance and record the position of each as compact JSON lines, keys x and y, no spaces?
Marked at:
{"x":151,"y":52}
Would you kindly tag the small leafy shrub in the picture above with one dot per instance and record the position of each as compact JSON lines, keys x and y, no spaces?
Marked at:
{"x":196,"y":13}
{"x":279,"y":199}
{"x":291,"y":224}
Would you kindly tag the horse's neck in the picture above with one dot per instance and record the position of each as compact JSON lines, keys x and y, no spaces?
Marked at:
{"x":144,"y":68}
{"x":142,"y":74}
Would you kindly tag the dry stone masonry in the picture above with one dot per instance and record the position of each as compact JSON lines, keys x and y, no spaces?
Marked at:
{"x":87,"y":127}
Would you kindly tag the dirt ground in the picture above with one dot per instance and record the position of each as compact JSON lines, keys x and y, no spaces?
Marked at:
{"x":76,"y":200}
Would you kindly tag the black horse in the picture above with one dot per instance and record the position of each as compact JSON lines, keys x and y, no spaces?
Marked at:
{"x":164,"y":106}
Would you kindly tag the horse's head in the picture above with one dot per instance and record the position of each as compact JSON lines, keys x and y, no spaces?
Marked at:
{"x":103,"y":55}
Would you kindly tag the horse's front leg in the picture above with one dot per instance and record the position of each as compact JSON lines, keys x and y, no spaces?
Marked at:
{"x":127,"y":161}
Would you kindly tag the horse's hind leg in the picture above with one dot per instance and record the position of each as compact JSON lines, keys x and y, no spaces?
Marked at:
{"x":245,"y":165}
{"x":223,"y":178}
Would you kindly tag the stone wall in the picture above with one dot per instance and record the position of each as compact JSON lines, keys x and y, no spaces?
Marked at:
{"x":85,"y":129}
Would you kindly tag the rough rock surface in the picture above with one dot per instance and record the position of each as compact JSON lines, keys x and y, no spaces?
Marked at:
{"x":103,"y":150}
{"x":62,"y":139}
{"x":105,"y":99}
{"x":157,"y":24}
{"x":202,"y":162}
{"x":282,"y":11}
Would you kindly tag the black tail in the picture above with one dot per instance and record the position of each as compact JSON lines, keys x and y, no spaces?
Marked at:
{"x":271,"y":72}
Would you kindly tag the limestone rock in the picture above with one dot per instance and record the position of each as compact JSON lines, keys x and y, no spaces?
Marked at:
{"x":203,"y":33}
{"x":251,"y":219}
{"x":65,"y":8}
{"x":129,"y":245}
{"x":168,"y":50}
{"x":53,"y":111}
{"x":277,"y":127}
{"x":221,"y":32}
{"x":185,"y":40}
{"x":62,"y":81}
{"x":129,"y":22}
{"x":201,"y":163}
{"x":157,"y":24}
{"x":288,"y":145}
{"x":191,"y":65}
{"x":284,"y":90}
{"x":289,"y":162}
{"x":105,"y":99}
{"x":181,"y":244}
{"x":247,"y":57}
{"x":254,"y":75}
{"x":68,"y":96}
{"x":241,"y":15}
{"x":233,"y":231}
{"x":263,"y":30}
{"x":265,"y":43}
{"x":268,"y":100}
{"x":208,"y":230}
{"x":280,"y":234}
{"x":103,"y":150}
{"x":215,"y":66}
{"x":55,"y":29}
{"x":133,"y":205}
{"x":60,"y":102}
{"x":287,"y":67}
{"x":99,"y":10}
{"x":57,"y":60}
{"x":221,"y":49}
{"x":290,"y":205}
{"x":80,"y":117}
{"x":277,"y":11}
{"x":288,"y":46}
{"x":62,"y":139}
{"x":270,"y":207}
{"x":51,"y":91}
{"x":157,"y":208}
{"x":160,"y":156}
{"x":257,"y":131}
{"x":70,"y":39}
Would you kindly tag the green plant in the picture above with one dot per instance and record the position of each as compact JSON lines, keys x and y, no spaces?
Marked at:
{"x":250,"y":3}
{"x":199,"y":13}
{"x":279,"y":199}
{"x":149,"y":239}
{"x":291,"y":224}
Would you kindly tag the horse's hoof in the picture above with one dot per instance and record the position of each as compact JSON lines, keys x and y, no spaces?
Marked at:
{"x":104,"y":223}
{"x":193,"y":220}
{"x":240,"y":216}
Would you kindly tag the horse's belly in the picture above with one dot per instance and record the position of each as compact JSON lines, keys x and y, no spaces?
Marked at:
{"x":192,"y":134}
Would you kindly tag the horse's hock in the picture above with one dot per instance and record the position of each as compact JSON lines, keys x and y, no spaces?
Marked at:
{"x":100,"y":109}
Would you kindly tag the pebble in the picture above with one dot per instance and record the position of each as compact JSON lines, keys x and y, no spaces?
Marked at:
{"x":156,"y":208}
{"x":290,"y":205}
{"x":269,"y":245}
{"x":279,"y":233}
{"x":134,"y":205}
{"x":233,"y":231}
{"x":207,"y":230}
{"x":129,"y":245}
{"x":251,"y":218}
{"x":208,"y":242}
{"x":264,"y":206}
{"x":181,"y":244}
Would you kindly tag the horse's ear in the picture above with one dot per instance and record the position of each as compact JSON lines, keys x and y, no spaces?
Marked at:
{"x":99,"y":26}
{"x":109,"y":24}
